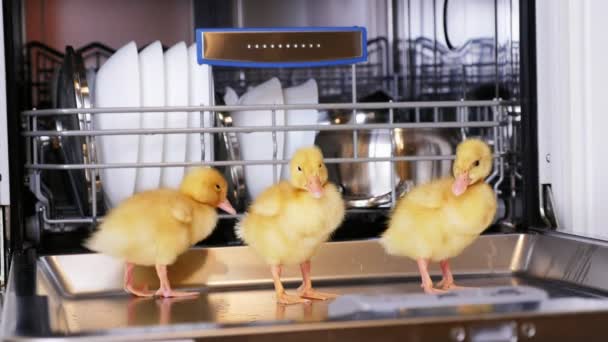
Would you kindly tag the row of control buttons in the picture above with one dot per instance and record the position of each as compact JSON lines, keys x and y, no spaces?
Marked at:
{"x":280,"y":46}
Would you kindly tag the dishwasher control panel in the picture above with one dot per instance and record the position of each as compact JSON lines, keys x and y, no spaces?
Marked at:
{"x":282,"y":47}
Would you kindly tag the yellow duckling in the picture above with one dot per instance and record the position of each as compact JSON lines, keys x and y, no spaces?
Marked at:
{"x":155,"y":227}
{"x":289,"y":220}
{"x":438,"y":220}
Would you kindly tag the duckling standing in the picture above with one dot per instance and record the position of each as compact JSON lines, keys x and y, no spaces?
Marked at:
{"x":290,"y":220}
{"x":155,"y":227}
{"x":438,"y":220}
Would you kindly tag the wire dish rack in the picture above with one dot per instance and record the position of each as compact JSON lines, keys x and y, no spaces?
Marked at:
{"x":409,"y":129}
{"x":42,"y":62}
{"x":429,"y":70}
{"x":494,"y":125}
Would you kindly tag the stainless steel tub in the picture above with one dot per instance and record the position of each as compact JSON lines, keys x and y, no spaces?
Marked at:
{"x":80,"y":296}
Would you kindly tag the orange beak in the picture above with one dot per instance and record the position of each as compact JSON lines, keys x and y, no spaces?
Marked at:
{"x":227,"y":207}
{"x":460,"y":184}
{"x":314,"y":186}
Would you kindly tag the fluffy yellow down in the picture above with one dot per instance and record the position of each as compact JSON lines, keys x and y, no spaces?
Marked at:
{"x":155,"y":227}
{"x":431,"y":222}
{"x":286,"y":224}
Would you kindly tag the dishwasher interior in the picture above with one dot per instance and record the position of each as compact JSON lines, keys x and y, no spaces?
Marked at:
{"x":385,"y":123}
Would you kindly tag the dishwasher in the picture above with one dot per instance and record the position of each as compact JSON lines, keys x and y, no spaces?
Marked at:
{"x":396,"y":86}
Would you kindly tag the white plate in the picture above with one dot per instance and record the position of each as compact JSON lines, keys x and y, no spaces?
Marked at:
{"x":117,"y":85}
{"x":176,"y":94}
{"x":152,"y":81}
{"x":259,"y":146}
{"x":305,"y":93}
{"x":198,"y":96}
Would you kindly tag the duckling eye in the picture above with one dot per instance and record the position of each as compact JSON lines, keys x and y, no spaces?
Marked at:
{"x":299,"y":169}
{"x":320,"y":166}
{"x":217,"y":186}
{"x":476,"y":163}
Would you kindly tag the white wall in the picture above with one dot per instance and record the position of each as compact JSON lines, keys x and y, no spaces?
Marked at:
{"x":4,"y":183}
{"x":572,"y":46}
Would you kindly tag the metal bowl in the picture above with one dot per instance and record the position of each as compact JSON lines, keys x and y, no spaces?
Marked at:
{"x":367,"y":185}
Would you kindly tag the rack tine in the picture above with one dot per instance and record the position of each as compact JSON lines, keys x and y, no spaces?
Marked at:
{"x":501,"y":161}
{"x":354,"y":99}
{"x":393,"y":164}
{"x":211,"y":117}
{"x":496,"y":149}
{"x":36,"y":140}
{"x":92,"y":174}
{"x":202,"y":136}
{"x":28,"y":142}
{"x":462,"y":119}
{"x":274,"y":148}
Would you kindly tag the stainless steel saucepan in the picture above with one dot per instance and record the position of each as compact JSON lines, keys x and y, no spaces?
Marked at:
{"x":366,"y":185}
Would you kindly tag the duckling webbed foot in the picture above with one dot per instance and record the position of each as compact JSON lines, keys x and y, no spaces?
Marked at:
{"x":431,"y":289}
{"x":287,"y":299}
{"x":311,"y":293}
{"x":427,"y":283}
{"x":452,"y":286}
{"x":282,"y":296}
{"x":165,"y":287}
{"x":305,"y":290}
{"x":447,"y":283}
{"x":168,"y":293}
{"x":128,"y":285}
{"x":144,"y":292}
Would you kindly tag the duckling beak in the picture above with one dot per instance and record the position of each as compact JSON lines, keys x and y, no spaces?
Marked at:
{"x":314,"y":186}
{"x":227,"y":207}
{"x":460,"y":184}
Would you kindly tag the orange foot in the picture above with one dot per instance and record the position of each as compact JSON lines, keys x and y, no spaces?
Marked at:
{"x":287,"y":299}
{"x":311,"y":293}
{"x":429,"y":289}
{"x":168,"y":293}
{"x":144,"y":292}
{"x":449,"y":285}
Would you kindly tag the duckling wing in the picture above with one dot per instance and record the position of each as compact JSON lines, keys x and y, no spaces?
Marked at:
{"x":181,"y":209}
{"x":269,"y":201}
{"x":143,"y":230}
{"x":431,"y":195}
{"x":415,"y":227}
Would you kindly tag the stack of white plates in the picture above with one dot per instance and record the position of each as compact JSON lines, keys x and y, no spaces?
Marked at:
{"x":174,"y":78}
{"x":150,"y":78}
{"x":259,"y":145}
{"x":118,"y":85}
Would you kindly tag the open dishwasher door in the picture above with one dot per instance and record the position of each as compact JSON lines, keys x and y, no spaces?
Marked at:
{"x":571,"y":115}
{"x":520,"y":289}
{"x":4,"y":157}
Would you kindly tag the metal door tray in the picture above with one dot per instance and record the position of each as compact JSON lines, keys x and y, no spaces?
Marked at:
{"x":546,"y":275}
